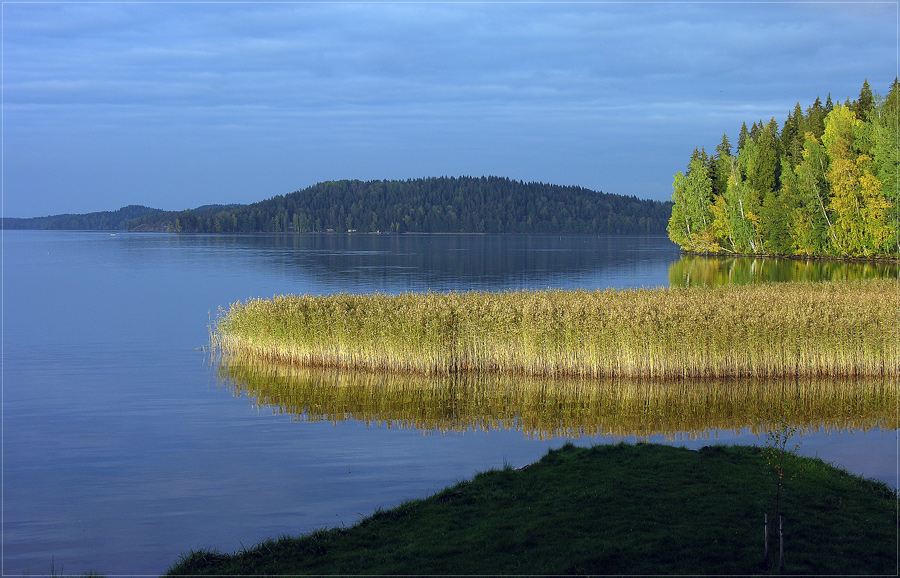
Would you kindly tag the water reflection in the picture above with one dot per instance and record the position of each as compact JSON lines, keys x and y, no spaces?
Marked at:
{"x":547,"y":408}
{"x":695,"y":270}
{"x":397,"y":263}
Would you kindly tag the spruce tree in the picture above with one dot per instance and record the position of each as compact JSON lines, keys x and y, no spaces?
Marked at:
{"x":865,"y":104}
{"x":743,"y":137}
{"x":721,"y":163}
{"x":815,"y":119}
{"x":792,"y":137}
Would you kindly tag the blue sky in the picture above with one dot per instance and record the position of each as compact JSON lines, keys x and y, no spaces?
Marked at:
{"x":176,"y":105}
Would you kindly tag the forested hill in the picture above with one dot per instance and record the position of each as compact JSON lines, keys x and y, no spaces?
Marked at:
{"x":825,"y":183}
{"x":99,"y":221}
{"x":428,"y":205}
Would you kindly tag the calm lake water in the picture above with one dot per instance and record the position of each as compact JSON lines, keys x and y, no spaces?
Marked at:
{"x":124,"y":447}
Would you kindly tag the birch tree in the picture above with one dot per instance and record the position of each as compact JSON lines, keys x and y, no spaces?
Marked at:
{"x":860,"y":208}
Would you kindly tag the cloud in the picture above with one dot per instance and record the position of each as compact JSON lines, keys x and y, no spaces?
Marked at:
{"x":291,"y":93}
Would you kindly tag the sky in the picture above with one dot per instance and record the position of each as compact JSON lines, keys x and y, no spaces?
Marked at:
{"x":176,"y":105}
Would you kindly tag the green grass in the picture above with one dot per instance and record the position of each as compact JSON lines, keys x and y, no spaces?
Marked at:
{"x":845,"y":328}
{"x":622,"y":509}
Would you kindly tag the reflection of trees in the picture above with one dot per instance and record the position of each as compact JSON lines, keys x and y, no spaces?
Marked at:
{"x":438,"y":260}
{"x":695,"y":270}
{"x":548,"y":408}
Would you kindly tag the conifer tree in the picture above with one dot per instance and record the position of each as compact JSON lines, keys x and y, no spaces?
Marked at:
{"x":865,"y":103}
{"x":792,"y":137}
{"x":743,"y":137}
{"x":721,"y":165}
{"x":815,"y":118}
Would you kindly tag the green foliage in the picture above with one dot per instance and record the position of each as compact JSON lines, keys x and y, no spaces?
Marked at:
{"x":812,"y":231}
{"x":864,"y":105}
{"x":430,"y":205}
{"x":693,"y":191}
{"x":721,"y":166}
{"x":886,"y":156}
{"x":826,"y":185}
{"x":640,"y":509}
{"x":857,"y":202}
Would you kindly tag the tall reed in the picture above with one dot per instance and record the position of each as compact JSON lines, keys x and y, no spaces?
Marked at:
{"x":845,"y":328}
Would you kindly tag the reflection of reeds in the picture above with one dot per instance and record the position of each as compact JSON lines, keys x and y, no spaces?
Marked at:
{"x":773,"y":329}
{"x":549,"y":407}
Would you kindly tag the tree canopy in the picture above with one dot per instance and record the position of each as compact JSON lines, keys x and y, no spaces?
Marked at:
{"x":99,"y":221}
{"x":428,"y":205}
{"x":824,"y":184}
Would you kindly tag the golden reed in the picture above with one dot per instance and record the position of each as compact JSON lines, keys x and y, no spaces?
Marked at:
{"x":843,"y":328}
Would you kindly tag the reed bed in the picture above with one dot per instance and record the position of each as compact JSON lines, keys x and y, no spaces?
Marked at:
{"x":544,"y":407}
{"x":802,"y":329}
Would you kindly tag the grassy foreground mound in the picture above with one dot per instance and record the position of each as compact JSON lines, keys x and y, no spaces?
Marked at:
{"x":844,"y":328}
{"x":622,"y":509}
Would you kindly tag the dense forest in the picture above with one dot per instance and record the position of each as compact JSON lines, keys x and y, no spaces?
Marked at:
{"x":823,"y":184}
{"x":99,"y":221}
{"x":428,"y":205}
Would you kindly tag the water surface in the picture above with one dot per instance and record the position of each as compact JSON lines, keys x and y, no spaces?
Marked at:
{"x":124,"y":448}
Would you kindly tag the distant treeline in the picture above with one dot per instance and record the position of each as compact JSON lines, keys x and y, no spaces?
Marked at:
{"x":427,"y":205}
{"x":824,"y":184}
{"x":100,"y":221}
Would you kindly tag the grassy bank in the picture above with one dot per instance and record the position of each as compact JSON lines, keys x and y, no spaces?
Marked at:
{"x":774,"y":329}
{"x":624,"y":509}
